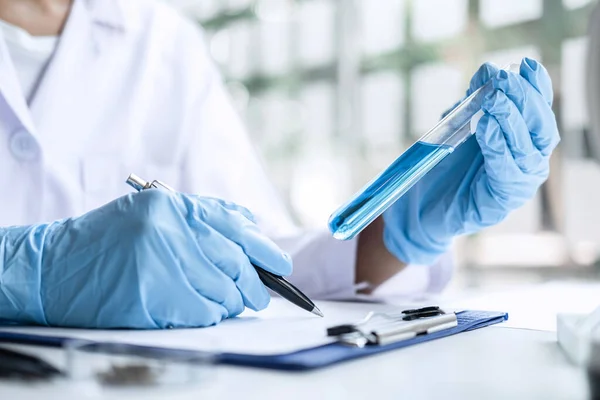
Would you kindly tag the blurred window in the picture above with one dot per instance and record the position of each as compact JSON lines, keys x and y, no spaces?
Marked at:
{"x":201,"y":9}
{"x":383,"y":25}
{"x":317,"y":23}
{"x":318,"y":105}
{"x":572,"y":4}
{"x":572,"y":84}
{"x":233,"y":6}
{"x":275,"y":43}
{"x":506,"y":12}
{"x":435,"y":88}
{"x":438,"y":19}
{"x":503,"y":58}
{"x":382,"y":110}
{"x":332,"y":95}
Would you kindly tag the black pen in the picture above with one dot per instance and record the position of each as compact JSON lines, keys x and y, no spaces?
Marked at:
{"x":274,"y":282}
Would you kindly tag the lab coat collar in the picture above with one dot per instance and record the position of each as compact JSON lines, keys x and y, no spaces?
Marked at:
{"x":10,"y":88}
{"x":108,"y":13}
{"x":92,"y":26}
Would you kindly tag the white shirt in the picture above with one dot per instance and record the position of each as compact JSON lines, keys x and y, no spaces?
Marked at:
{"x":131,"y":88}
{"x":30,"y":55}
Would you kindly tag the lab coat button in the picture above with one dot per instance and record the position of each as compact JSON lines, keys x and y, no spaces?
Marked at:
{"x":23,"y":146}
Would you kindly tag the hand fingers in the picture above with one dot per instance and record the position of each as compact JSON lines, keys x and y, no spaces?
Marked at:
{"x":233,"y":262}
{"x":226,"y":258}
{"x":482,"y":76}
{"x":161,"y":297}
{"x":199,"y":312}
{"x":261,"y":250}
{"x":500,"y":167}
{"x":231,"y":206}
{"x":179,"y":248}
{"x":516,"y":133}
{"x":538,"y":77}
{"x":204,"y":274}
{"x":236,"y":207}
{"x":534,"y":109}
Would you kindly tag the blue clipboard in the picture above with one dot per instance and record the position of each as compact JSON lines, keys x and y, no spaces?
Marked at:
{"x":308,"y":359}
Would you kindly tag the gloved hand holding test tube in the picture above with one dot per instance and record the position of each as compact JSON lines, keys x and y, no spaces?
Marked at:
{"x":379,"y":194}
{"x":486,"y":158}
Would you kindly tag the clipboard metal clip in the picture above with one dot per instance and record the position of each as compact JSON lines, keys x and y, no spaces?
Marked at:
{"x":380,"y":329}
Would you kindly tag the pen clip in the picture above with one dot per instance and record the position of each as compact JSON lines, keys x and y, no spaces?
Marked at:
{"x":160,"y":185}
{"x":140,"y":184}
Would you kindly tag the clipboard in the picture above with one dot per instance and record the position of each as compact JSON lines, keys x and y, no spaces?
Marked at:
{"x":302,"y":360}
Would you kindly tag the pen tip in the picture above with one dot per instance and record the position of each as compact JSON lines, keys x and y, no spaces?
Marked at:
{"x":318,"y":312}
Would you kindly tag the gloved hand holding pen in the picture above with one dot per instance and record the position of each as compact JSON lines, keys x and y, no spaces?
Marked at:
{"x":493,"y":173}
{"x":147,"y":260}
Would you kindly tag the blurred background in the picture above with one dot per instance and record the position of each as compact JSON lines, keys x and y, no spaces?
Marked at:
{"x":333,"y":90}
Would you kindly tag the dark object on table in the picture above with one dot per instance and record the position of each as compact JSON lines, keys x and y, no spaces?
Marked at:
{"x":594,"y":382}
{"x":593,"y":371}
{"x":133,"y":374}
{"x":17,"y":365}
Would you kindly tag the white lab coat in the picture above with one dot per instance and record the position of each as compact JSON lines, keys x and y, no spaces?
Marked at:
{"x":131,"y":88}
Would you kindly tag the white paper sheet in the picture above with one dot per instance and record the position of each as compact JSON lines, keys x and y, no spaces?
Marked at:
{"x":532,"y":306}
{"x":284,"y":328}
{"x":535,"y":306}
{"x":281,"y":328}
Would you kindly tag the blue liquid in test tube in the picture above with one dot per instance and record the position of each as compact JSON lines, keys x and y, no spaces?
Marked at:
{"x":391,"y":184}
{"x":398,"y":177}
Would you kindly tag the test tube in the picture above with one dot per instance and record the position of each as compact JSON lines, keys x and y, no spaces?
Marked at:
{"x":391,"y":184}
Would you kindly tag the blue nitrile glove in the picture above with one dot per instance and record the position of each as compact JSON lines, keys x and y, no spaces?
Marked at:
{"x":493,"y":173}
{"x":146,"y":260}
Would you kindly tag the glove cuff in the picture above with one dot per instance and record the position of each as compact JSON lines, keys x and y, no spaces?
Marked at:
{"x":20,"y":274}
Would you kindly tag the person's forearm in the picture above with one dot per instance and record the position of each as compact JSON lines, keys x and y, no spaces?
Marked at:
{"x":374,"y":263}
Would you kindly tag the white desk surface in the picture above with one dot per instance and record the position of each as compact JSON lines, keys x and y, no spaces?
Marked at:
{"x":491,"y":363}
